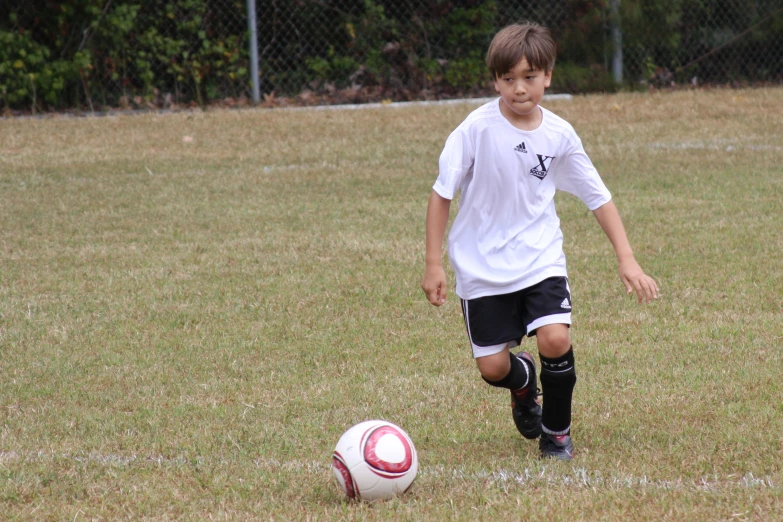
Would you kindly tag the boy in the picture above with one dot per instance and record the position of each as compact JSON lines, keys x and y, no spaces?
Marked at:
{"x":507,"y":159}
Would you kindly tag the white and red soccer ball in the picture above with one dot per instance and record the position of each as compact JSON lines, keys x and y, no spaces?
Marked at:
{"x":375,"y":460}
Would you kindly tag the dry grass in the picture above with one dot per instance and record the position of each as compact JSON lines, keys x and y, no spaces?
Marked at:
{"x":193,"y":307}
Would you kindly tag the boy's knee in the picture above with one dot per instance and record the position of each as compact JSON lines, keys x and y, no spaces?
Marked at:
{"x":553,"y":340}
{"x":494,"y":367}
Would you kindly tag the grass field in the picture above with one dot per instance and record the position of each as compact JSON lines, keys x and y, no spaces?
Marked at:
{"x":194,"y":307}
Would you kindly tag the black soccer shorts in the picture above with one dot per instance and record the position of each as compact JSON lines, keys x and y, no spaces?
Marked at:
{"x":495,"y":320}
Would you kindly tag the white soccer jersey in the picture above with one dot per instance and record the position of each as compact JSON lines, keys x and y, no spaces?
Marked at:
{"x":506,"y":235}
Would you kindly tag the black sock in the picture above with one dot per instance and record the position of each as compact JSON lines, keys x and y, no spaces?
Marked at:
{"x":558,"y":378}
{"x":517,"y":377}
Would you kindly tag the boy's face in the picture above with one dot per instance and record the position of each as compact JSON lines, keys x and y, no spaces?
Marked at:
{"x":521,"y":90}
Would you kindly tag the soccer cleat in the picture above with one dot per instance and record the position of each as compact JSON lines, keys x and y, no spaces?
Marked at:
{"x":524,"y":407}
{"x":557,"y":447}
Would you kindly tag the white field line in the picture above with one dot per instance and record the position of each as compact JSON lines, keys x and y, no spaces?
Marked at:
{"x":697,"y":145}
{"x":581,"y":478}
{"x":346,"y":107}
{"x":323,"y":166}
{"x":578,"y":478}
{"x":400,"y":105}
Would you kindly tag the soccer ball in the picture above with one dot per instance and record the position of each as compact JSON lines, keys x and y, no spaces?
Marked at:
{"x":374,"y":460}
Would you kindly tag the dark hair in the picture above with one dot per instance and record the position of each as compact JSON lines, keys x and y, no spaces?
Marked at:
{"x":526,"y":40}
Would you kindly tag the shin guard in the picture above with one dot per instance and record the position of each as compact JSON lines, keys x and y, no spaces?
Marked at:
{"x":558,"y":378}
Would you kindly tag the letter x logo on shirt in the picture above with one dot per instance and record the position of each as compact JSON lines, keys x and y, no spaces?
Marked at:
{"x":542,"y":168}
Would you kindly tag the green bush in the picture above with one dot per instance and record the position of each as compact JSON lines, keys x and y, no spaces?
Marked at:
{"x":88,"y":51}
{"x":72,"y":53}
{"x":27,"y":74}
{"x":573,"y":78}
{"x":391,"y":45}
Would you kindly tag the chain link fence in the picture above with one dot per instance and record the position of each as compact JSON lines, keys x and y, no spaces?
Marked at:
{"x":97,"y":54}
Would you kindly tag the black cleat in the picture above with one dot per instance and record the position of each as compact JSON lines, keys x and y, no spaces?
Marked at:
{"x":557,"y":447}
{"x":524,"y":407}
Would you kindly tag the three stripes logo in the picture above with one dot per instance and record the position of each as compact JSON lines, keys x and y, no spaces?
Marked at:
{"x":521,"y":148}
{"x":540,"y":170}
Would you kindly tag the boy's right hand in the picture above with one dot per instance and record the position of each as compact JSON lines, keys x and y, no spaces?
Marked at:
{"x":434,"y":284}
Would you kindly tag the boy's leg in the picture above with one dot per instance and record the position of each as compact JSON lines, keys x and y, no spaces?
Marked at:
{"x":506,"y":370}
{"x":520,"y":379}
{"x":547,"y":313}
{"x":494,"y":326}
{"x":495,"y":367}
{"x":558,"y":378}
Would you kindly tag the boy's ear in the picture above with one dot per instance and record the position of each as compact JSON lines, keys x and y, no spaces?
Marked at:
{"x":548,"y":78}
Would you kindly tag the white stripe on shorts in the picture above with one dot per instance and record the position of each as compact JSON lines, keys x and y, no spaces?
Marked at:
{"x":549,"y":319}
{"x":483,"y":351}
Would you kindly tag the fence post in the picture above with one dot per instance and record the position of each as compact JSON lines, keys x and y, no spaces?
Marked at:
{"x":617,"y":41}
{"x":253,"y":37}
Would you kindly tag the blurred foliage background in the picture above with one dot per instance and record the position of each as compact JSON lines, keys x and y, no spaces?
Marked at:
{"x":99,"y":54}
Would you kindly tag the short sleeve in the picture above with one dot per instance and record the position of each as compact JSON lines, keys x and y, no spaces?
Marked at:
{"x":456,"y":161}
{"x":576,"y":175}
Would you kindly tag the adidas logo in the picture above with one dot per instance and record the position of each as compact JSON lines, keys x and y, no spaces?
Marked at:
{"x":565,"y":304}
{"x":521,"y":148}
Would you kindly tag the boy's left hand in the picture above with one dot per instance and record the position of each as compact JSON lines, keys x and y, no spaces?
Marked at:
{"x":635,"y":280}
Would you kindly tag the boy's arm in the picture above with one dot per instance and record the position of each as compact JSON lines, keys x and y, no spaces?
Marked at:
{"x":434,"y":281}
{"x":631,"y":274}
